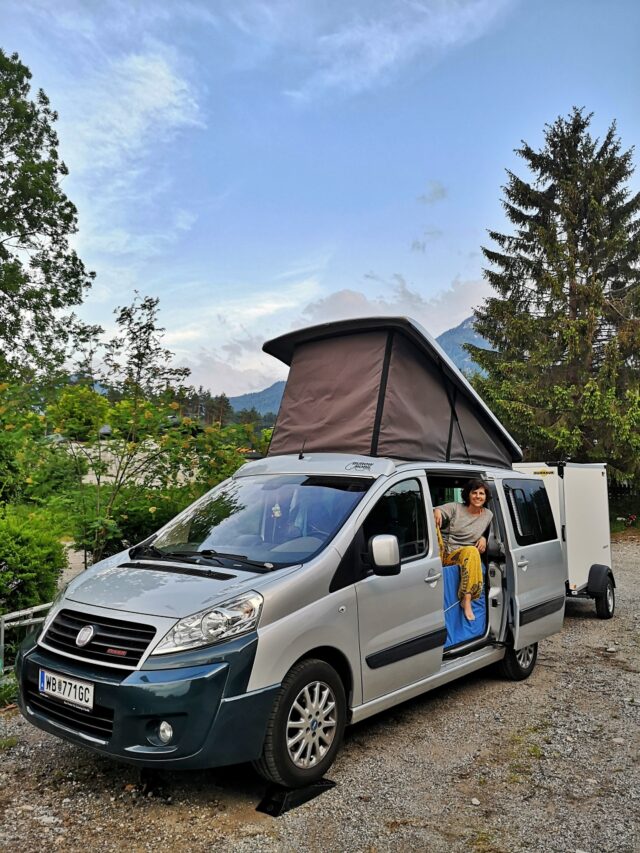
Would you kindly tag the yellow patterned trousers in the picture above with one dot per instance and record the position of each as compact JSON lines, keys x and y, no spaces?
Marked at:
{"x":468,"y":559}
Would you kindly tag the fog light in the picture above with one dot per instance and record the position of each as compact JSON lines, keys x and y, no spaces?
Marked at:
{"x":165,"y":732}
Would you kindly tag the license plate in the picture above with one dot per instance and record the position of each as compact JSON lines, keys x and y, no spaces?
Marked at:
{"x":69,"y":690}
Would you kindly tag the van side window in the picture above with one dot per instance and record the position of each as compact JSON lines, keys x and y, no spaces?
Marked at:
{"x":401,"y":512}
{"x":530,"y":511}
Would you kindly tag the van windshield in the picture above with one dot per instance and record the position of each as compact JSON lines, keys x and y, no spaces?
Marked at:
{"x":273,"y":520}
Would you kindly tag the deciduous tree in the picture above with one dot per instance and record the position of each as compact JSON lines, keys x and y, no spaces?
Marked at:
{"x":40,"y":275}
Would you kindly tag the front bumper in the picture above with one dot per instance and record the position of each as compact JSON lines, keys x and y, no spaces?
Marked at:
{"x":215,"y":722}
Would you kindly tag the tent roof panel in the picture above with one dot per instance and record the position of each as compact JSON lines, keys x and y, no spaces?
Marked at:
{"x":283,"y":348}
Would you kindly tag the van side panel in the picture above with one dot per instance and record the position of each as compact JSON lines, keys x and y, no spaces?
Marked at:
{"x":331,"y":620}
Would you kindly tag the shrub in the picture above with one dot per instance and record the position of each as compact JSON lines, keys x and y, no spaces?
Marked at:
{"x":78,"y":412}
{"x":55,"y":470}
{"x":137,"y":513}
{"x":31,"y":561}
{"x":8,"y":691}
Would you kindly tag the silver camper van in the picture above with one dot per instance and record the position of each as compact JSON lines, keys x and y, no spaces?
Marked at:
{"x":307,"y":592}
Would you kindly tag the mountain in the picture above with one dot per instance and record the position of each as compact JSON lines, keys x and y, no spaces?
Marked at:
{"x":263,"y":401}
{"x":451,"y":342}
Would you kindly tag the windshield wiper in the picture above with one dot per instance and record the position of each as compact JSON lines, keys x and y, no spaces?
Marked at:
{"x":149,"y":550}
{"x":240,"y":558}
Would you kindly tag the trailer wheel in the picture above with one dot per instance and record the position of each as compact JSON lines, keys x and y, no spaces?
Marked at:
{"x":606,"y":601}
{"x":518,"y":665}
{"x":306,"y":726}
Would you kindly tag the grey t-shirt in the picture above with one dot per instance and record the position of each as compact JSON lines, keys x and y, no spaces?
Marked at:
{"x":460,"y":527}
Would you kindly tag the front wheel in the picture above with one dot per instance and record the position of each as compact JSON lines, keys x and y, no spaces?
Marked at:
{"x":306,"y":726}
{"x":606,"y":601}
{"x":518,"y":665}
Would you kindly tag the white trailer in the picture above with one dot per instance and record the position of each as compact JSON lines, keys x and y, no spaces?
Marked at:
{"x":579,"y":498}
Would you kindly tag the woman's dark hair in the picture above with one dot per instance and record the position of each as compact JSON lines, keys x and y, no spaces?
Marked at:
{"x":471,"y":486}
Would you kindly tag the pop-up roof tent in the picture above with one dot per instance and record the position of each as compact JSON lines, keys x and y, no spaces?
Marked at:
{"x":382,"y":386}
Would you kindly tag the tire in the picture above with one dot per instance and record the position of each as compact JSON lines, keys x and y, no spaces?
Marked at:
{"x":606,"y":601}
{"x":312,"y":692}
{"x":518,"y":665}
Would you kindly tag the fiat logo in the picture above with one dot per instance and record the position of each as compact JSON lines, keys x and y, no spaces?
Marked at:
{"x":85,"y":635}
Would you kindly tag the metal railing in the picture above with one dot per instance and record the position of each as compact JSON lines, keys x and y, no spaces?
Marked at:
{"x":19,"y":619}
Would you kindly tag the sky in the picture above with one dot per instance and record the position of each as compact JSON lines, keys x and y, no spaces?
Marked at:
{"x":262,"y":165}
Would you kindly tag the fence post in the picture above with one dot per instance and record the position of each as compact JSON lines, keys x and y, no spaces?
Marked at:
{"x":19,"y":619}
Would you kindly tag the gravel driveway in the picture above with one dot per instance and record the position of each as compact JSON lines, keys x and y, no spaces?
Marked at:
{"x":548,"y":764}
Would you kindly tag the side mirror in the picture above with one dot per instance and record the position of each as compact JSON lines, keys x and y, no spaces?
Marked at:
{"x":385,"y":554}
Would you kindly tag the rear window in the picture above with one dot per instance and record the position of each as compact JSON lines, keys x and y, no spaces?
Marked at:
{"x":530,"y":511}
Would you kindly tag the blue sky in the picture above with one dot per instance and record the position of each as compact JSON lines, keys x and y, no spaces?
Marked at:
{"x":265,"y":164}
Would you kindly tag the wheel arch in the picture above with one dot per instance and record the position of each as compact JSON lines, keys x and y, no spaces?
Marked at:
{"x":336,"y":659}
{"x":598,"y":576}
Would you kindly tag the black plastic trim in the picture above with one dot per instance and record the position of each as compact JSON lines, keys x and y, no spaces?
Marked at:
{"x":531,"y":614}
{"x":599,"y":574}
{"x":408,"y":649}
{"x":452,"y":418}
{"x":202,"y":572}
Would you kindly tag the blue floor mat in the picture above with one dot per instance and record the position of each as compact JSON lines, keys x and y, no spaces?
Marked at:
{"x":459,"y":630}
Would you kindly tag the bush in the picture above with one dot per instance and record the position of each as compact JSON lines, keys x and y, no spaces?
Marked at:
{"x":8,"y":690}
{"x":55,"y":470}
{"x":78,"y":412}
{"x":31,"y":561}
{"x":137,"y":514}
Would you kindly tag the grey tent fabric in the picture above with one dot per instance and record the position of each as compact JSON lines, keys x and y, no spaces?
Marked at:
{"x":382,"y":387}
{"x":331,"y":396}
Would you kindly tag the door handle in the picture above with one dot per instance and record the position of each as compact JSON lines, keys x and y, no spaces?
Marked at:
{"x":433,"y":578}
{"x":522,"y":564}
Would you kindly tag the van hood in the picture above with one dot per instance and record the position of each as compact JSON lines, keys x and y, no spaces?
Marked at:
{"x":158,"y":589}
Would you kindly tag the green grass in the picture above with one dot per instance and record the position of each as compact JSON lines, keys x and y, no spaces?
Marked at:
{"x":7,"y":742}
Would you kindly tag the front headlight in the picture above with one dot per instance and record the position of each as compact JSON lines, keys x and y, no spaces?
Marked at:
{"x":229,"y":619}
{"x":52,"y":612}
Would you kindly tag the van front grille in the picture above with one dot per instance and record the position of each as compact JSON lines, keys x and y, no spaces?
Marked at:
{"x":98,"y":722}
{"x":112,"y":641}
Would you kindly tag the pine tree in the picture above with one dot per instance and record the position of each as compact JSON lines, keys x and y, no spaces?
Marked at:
{"x":564,"y":371}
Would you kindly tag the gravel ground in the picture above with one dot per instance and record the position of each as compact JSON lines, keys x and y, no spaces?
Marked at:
{"x":485,"y":765}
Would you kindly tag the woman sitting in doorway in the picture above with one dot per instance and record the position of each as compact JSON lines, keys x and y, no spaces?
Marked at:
{"x":461,"y":536}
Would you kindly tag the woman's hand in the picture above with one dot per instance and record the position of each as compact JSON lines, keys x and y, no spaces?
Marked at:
{"x":481,"y":544}
{"x":438,"y":517}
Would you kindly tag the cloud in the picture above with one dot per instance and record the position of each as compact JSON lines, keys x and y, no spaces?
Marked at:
{"x":234,"y":320}
{"x":221,"y":376}
{"x":436,"y":191}
{"x":183,"y":220}
{"x":437,"y":314}
{"x":355,"y":46}
{"x":238,"y":365}
{"x":428,"y":235}
{"x":129,"y":105}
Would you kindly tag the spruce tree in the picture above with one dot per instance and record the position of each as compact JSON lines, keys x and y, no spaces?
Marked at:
{"x":564,"y":326}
